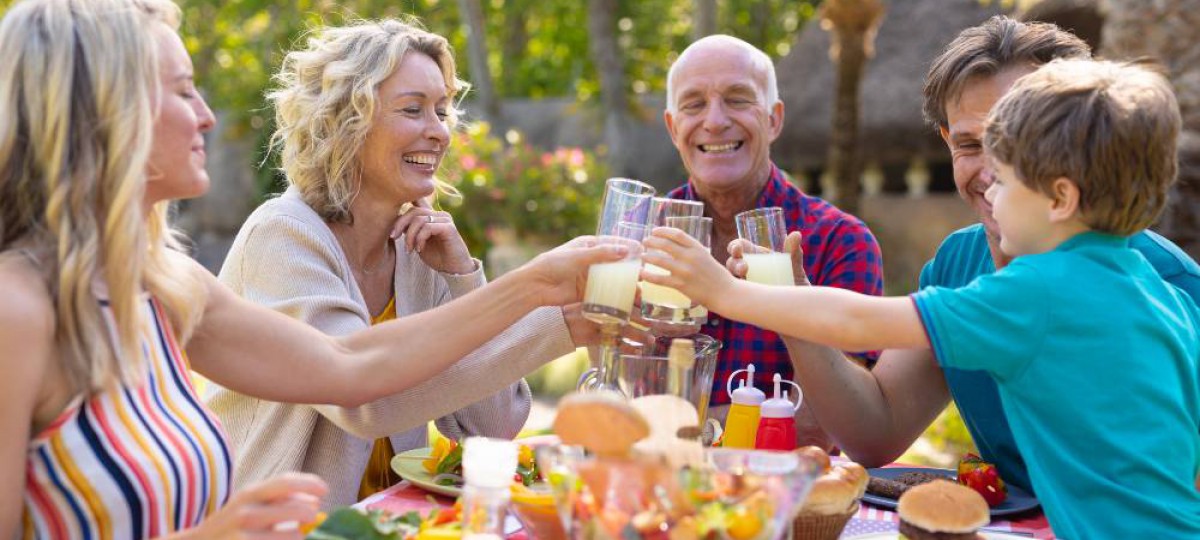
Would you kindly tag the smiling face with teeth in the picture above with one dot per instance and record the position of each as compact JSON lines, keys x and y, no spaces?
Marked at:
{"x":720,"y":120}
{"x":408,"y":134}
{"x":965,"y":115}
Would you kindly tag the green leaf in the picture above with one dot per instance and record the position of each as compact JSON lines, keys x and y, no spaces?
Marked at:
{"x":351,"y":524}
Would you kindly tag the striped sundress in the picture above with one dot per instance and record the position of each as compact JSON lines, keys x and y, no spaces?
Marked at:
{"x":137,"y":462}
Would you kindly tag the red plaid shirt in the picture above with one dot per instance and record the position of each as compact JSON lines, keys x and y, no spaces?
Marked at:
{"x":839,"y":251}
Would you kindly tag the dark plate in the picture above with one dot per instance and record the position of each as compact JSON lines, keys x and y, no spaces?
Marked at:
{"x":1018,"y":500}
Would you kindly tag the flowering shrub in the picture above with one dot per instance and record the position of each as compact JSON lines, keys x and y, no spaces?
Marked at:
{"x":547,"y":196}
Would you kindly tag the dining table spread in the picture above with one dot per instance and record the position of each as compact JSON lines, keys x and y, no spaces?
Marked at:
{"x":405,"y":497}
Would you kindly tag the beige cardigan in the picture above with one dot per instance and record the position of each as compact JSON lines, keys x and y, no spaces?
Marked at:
{"x":286,"y":258}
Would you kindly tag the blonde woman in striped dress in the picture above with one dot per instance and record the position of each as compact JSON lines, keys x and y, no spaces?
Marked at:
{"x":101,"y":432}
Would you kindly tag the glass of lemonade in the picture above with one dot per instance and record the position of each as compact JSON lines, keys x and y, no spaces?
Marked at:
{"x":766,"y":261}
{"x":665,"y":304}
{"x":611,"y":287}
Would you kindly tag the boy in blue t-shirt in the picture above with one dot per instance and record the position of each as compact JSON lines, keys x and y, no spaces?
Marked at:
{"x":1094,"y":355}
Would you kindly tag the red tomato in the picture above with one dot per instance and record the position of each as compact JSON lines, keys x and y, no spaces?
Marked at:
{"x":982,"y":477}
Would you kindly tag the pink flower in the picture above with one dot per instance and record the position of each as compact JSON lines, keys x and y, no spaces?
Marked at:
{"x":576,"y":157}
{"x":468,"y":162}
{"x":547,"y":159}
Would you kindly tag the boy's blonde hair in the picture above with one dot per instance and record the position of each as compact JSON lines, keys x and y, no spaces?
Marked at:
{"x":326,"y":103}
{"x":1109,"y":127}
{"x":77,"y":88}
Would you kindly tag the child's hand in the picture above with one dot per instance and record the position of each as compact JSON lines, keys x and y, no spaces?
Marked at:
{"x":694,"y":272}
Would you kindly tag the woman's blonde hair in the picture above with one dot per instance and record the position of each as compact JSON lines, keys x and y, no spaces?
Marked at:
{"x":77,"y":93}
{"x":326,"y":100}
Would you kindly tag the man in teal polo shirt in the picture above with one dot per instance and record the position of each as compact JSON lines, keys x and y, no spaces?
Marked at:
{"x":874,"y":416}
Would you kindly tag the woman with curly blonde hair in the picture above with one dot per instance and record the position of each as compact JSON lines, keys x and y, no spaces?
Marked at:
{"x":364,"y":115}
{"x":104,"y":436}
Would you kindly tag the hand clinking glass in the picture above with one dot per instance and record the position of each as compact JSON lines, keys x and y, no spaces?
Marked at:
{"x":611,"y":287}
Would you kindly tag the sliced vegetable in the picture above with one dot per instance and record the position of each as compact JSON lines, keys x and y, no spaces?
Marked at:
{"x":448,"y":479}
{"x":982,"y":477}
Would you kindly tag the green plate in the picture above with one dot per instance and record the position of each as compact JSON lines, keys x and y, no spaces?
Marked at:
{"x":407,"y":464}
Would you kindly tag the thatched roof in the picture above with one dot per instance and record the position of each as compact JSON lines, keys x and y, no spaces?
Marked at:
{"x":892,"y":130}
{"x":1084,"y":18}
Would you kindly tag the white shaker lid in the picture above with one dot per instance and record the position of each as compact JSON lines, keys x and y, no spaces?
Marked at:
{"x":489,"y":462}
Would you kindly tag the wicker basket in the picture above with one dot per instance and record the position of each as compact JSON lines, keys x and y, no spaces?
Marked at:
{"x":813,"y":526}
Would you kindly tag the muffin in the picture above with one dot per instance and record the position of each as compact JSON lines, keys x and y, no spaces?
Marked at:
{"x":941,"y":510}
{"x":832,"y":501}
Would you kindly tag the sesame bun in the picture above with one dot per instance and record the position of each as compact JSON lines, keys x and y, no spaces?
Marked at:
{"x":836,"y":490}
{"x":942,"y":506}
{"x":603,"y":423}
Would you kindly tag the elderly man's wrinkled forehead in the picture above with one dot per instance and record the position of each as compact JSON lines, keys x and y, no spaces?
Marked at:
{"x":730,"y":55}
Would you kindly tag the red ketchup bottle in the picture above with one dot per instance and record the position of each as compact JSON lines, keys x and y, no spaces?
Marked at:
{"x":777,"y":426}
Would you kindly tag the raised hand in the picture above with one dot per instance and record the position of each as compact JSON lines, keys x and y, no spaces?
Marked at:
{"x":693,"y":270}
{"x":793,"y":246}
{"x":433,"y":235}
{"x":735,"y":263}
{"x":559,"y":276}
{"x":271,"y":509}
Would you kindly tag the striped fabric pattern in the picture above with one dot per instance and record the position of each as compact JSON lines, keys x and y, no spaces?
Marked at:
{"x":138,"y":462}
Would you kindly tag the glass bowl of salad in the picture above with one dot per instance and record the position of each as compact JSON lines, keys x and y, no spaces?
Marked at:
{"x":734,"y":495}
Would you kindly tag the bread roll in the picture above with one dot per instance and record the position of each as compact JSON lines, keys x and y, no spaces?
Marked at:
{"x":816,"y":454}
{"x":604,"y":424}
{"x":837,"y":490}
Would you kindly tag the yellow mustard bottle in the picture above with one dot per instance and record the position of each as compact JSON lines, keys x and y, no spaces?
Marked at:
{"x":741,"y":424}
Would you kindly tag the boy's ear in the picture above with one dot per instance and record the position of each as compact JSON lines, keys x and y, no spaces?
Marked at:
{"x":1064,"y":199}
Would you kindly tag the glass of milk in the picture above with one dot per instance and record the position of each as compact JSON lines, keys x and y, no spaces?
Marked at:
{"x":766,"y":261}
{"x":666,"y":305}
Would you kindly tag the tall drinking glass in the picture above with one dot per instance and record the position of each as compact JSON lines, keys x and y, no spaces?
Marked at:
{"x":608,"y":299}
{"x":625,"y":200}
{"x":662,"y":208}
{"x":611,"y":286}
{"x":665,"y":304}
{"x":766,"y":261}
